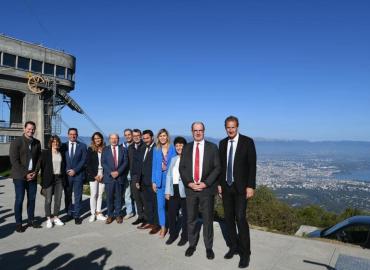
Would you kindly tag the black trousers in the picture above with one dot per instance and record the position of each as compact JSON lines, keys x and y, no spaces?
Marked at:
{"x":150,"y":205}
{"x":235,"y":206}
{"x":195,"y":203}
{"x":176,"y":203}
{"x":138,"y":197}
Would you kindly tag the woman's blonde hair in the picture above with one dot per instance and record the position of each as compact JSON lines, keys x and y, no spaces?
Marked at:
{"x":158,"y":143}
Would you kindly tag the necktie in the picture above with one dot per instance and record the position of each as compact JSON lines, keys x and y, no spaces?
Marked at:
{"x":147,"y":150}
{"x":115,"y":158}
{"x":30,"y":165}
{"x":72,"y":150}
{"x":229,"y":177}
{"x":196,"y":166}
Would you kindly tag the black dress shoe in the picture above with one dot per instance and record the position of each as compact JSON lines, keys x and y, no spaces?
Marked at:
{"x":67,"y":218}
{"x":170,"y":240}
{"x":190,"y":251}
{"x":138,"y":221}
{"x":182,"y":242}
{"x":78,"y":221}
{"x":230,"y":253}
{"x":34,"y":225}
{"x":210,"y":254}
{"x":244,"y":262}
{"x":19,"y":228}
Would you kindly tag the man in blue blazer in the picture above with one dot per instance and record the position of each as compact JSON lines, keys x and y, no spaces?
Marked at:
{"x":75,"y":155}
{"x":114,"y":161}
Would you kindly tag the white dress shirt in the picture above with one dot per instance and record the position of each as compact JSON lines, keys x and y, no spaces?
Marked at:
{"x":176,"y":173}
{"x":201,"y":154}
{"x":235,"y":144}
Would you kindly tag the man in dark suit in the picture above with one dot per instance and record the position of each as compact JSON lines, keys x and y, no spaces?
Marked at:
{"x":135,"y":151}
{"x":199,"y":169}
{"x":114,"y":161}
{"x":24,"y":154}
{"x":145,"y":184}
{"x":237,"y":183}
{"x":75,"y":155}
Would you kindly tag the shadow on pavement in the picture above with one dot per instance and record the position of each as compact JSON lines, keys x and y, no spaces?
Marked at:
{"x":29,"y":257}
{"x":26,"y":258}
{"x":7,"y":229}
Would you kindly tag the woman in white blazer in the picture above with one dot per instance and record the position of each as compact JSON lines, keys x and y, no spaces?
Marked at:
{"x":175,"y":195}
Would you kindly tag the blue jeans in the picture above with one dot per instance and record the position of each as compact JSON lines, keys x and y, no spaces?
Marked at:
{"x":126,"y":190}
{"x":20,"y":186}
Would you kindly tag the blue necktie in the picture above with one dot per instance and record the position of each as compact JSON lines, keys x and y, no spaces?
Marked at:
{"x":229,"y":176}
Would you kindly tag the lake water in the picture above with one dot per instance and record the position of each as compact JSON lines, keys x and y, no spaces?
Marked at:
{"x":358,"y":175}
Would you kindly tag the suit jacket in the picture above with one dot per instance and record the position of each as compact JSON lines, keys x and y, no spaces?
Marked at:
{"x":169,"y":180}
{"x":108,"y":164}
{"x":47,"y":169}
{"x":77,"y":163}
{"x":244,"y":169}
{"x":157,"y":164}
{"x":20,"y":156}
{"x":92,"y":164}
{"x":210,"y":168}
{"x":135,"y":157}
{"x":147,"y":167}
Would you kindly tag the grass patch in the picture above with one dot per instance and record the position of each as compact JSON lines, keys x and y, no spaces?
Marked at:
{"x":5,"y":173}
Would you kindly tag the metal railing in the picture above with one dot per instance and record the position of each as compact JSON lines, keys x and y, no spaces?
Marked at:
{"x":5,"y":124}
{"x":7,"y":138}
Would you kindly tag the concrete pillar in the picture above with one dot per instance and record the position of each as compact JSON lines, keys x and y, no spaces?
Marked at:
{"x":33,"y":110}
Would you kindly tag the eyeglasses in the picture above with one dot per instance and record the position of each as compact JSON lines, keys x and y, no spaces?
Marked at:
{"x":198,"y":130}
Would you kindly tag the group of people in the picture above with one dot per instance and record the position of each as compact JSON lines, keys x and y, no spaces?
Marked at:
{"x":140,"y":176}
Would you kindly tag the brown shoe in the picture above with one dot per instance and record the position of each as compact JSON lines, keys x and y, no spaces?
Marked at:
{"x":142,"y":225}
{"x":109,"y":220}
{"x":145,"y":226}
{"x":119,"y":219}
{"x":155,"y":229}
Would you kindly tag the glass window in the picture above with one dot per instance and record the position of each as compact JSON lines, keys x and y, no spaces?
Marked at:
{"x":61,"y":72}
{"x":9,"y":60}
{"x":355,"y":234}
{"x":12,"y":138}
{"x":48,"y":69}
{"x":23,"y":63}
{"x":36,"y":66}
{"x":69,"y":74}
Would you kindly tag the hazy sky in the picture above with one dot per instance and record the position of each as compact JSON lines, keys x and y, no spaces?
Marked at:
{"x":287,"y":69}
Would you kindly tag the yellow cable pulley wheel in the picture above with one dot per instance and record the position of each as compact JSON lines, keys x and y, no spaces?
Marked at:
{"x":34,"y":84}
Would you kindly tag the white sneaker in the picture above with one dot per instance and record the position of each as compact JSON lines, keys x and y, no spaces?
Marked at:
{"x":92,"y":218}
{"x":49,"y":223}
{"x":128,"y":216}
{"x":101,"y":217}
{"x":58,"y":222}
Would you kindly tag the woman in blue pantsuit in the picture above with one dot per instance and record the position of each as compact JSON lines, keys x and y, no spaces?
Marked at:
{"x":162,"y":155}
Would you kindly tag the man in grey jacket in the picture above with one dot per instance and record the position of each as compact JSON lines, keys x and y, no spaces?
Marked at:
{"x":24,"y":156}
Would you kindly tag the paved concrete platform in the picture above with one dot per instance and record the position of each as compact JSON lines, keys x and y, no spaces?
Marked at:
{"x":122,"y":246}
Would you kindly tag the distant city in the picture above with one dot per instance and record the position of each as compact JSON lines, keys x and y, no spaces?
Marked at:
{"x":334,"y":175}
